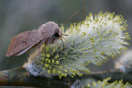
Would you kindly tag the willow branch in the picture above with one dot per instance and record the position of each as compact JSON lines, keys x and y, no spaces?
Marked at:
{"x":21,"y":77}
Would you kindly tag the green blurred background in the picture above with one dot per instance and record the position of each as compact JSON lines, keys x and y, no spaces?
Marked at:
{"x":17,"y":16}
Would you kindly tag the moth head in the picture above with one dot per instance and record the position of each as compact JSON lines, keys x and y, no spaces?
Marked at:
{"x":57,"y":32}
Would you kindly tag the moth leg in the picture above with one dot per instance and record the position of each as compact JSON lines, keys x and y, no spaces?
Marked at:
{"x":64,"y":39}
{"x":63,"y":44}
{"x":42,"y":49}
{"x":42,"y":42}
{"x":46,"y":43}
{"x":58,"y":43}
{"x":38,"y":51}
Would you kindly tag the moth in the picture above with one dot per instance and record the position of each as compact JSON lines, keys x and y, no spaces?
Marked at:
{"x":47,"y":34}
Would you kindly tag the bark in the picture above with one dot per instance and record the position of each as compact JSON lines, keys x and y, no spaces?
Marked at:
{"x":21,"y":77}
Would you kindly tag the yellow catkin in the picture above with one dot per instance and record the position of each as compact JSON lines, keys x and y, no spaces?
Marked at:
{"x":94,"y":83}
{"x":57,"y":62}
{"x":88,"y":85}
{"x":48,"y":55}
{"x":97,"y":23}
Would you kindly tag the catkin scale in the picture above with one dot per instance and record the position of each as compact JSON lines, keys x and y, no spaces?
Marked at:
{"x":47,"y":33}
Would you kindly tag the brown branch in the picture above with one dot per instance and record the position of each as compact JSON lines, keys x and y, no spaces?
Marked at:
{"x":21,"y":77}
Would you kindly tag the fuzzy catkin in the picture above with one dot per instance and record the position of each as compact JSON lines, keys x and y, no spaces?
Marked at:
{"x":89,"y":41}
{"x":92,"y":83}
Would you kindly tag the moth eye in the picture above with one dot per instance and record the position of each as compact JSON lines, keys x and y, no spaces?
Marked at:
{"x":56,"y":35}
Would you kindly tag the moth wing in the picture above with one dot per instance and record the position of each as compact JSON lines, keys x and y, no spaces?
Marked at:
{"x":23,"y":51}
{"x":23,"y":41}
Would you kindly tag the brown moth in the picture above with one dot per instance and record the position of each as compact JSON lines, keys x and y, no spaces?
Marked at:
{"x":47,"y":33}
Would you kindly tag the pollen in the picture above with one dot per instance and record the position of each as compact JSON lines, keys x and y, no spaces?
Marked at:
{"x":48,"y":55}
{"x":90,"y":41}
{"x":94,"y":83}
{"x":57,"y":62}
{"x":88,"y":85}
{"x":54,"y":71}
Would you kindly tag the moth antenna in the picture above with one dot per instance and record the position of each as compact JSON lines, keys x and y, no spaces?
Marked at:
{"x":65,"y":34}
{"x":63,"y":43}
{"x":64,"y":39}
{"x":71,"y":17}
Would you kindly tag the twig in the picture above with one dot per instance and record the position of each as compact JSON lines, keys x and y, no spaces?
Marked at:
{"x":21,"y":77}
